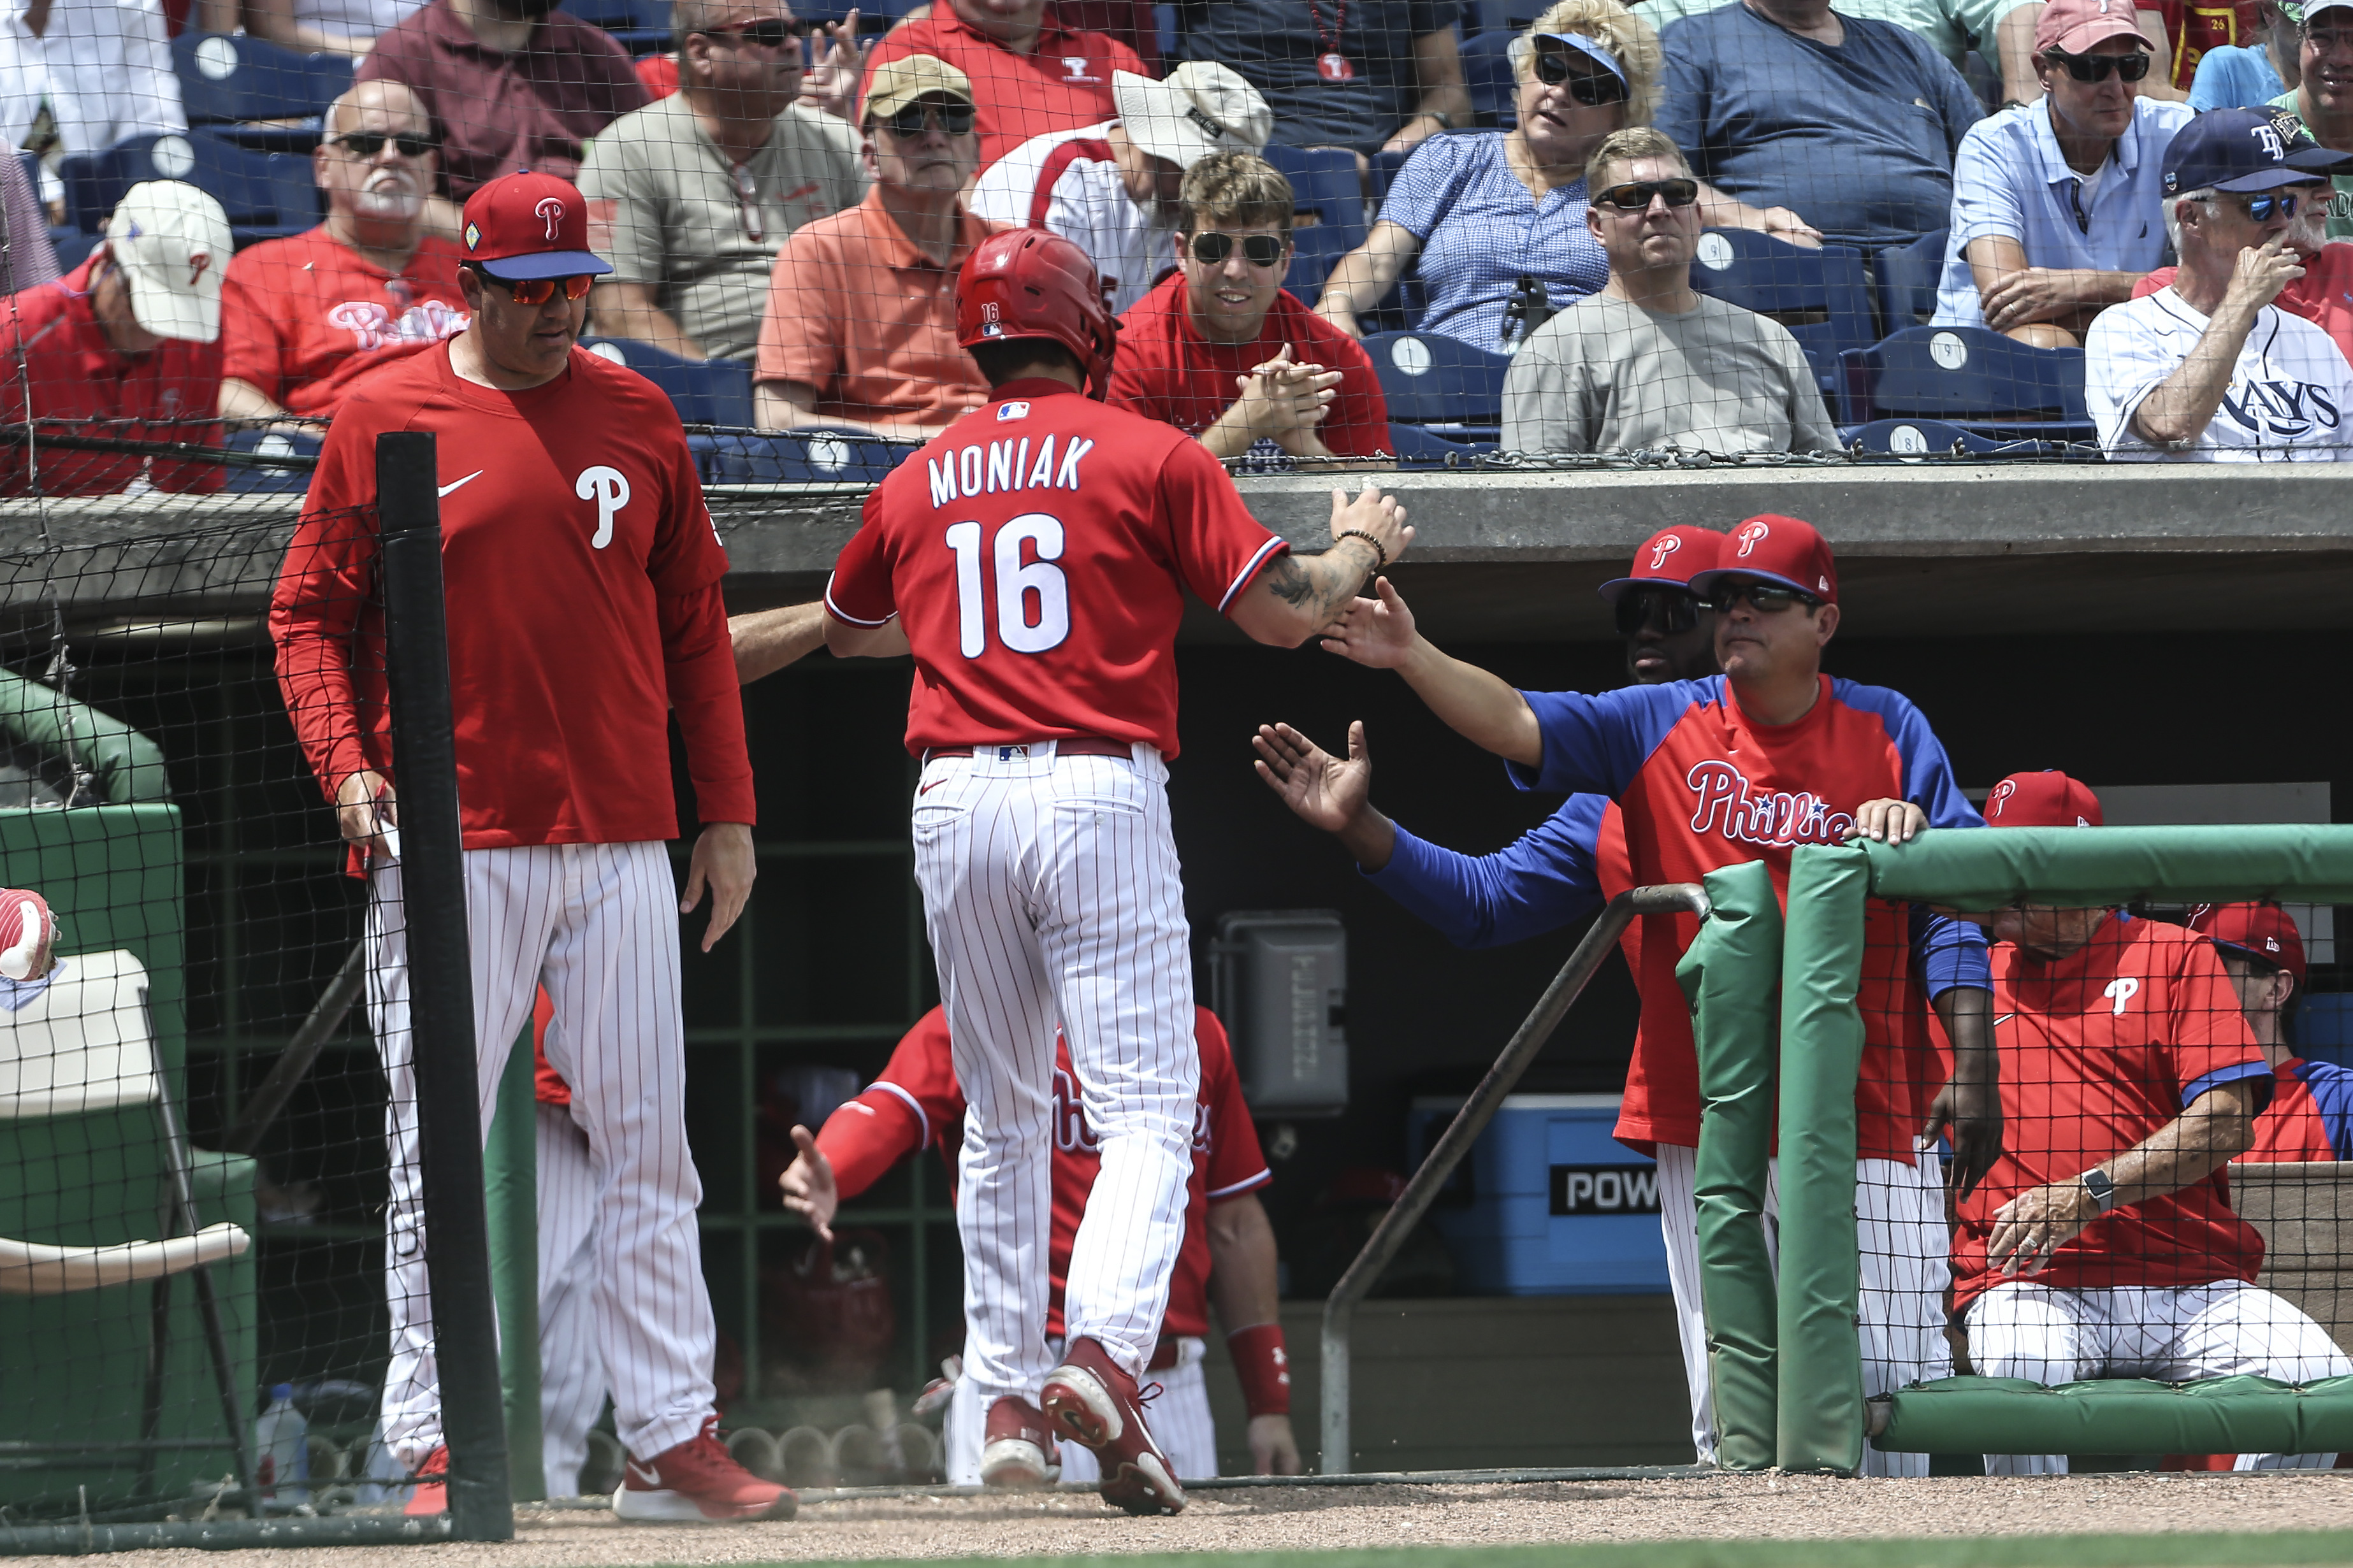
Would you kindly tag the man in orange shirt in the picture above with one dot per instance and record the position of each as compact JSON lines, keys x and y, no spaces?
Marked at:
{"x":860,"y":324}
{"x":1029,"y":73}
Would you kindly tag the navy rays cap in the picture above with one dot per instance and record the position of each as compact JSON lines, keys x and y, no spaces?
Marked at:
{"x":2246,"y":150}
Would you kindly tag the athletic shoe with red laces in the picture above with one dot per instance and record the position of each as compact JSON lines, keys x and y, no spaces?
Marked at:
{"x":699,"y":1479}
{"x":431,"y":1496}
{"x":1091,"y":1402}
{"x":1015,"y":1454}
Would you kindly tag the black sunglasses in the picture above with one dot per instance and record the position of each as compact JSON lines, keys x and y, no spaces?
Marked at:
{"x":2095,"y":67}
{"x":1768,"y":599}
{"x":774,"y":33}
{"x":1636,"y":196}
{"x":2259,"y":207}
{"x":368,"y":144}
{"x":1210,"y":249}
{"x":956,"y":118}
{"x":1552,"y":69}
{"x":1676,"y":608}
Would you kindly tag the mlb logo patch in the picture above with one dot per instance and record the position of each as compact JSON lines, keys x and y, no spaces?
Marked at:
{"x":1016,"y":410}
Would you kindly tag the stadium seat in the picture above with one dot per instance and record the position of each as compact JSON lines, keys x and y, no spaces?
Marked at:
{"x":640,"y":26}
{"x":1979,"y":380}
{"x":1428,"y":378}
{"x":704,"y":392}
{"x":1821,"y":296}
{"x":1324,"y":181}
{"x":1904,"y":281}
{"x":1487,"y":72}
{"x":799,"y":457}
{"x":1937,"y":438}
{"x":1419,"y":446}
{"x":226,"y":82}
{"x":264,"y":194}
{"x":1383,"y":175}
{"x":242,"y":480}
{"x":1316,"y":250}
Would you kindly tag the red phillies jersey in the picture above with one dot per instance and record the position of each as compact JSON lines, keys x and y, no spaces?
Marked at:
{"x":1166,"y":370}
{"x":303,"y":317}
{"x":1037,"y":551}
{"x":1699,"y":785}
{"x":57,"y":362}
{"x":1062,"y":83}
{"x":916,"y":1102}
{"x":2099,"y":1050}
{"x":582,"y":576}
{"x":2310,"y":1116}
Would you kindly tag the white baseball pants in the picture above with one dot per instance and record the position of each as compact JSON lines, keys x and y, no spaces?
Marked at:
{"x":1179,"y":1418}
{"x":597,"y":924}
{"x":571,"y":1372}
{"x":2020,"y":1329}
{"x":1051,"y":895}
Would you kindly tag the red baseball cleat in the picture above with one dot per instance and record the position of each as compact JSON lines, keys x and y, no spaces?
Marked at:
{"x":431,"y":1496}
{"x":1093,"y":1403}
{"x":699,"y":1479}
{"x":1015,"y":1454}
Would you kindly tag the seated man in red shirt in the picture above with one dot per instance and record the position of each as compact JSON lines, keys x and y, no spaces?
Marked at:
{"x":1028,"y":74}
{"x":1221,"y":325}
{"x":2311,"y":1113}
{"x":2102,"y":1243}
{"x":129,"y":341}
{"x":301,"y":318}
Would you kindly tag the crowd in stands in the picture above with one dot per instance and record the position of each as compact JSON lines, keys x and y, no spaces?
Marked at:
{"x":2143,"y":195}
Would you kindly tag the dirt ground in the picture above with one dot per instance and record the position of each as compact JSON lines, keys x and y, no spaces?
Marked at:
{"x":1313,"y":1518}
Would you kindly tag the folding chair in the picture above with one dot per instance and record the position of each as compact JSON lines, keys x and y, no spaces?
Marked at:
{"x":1937,"y":438}
{"x":1324,"y":181}
{"x":1906,"y":279}
{"x":1823,"y":296}
{"x":1977,"y":380}
{"x":265,"y":195}
{"x":704,"y":392}
{"x":228,"y":82}
{"x":1430,"y":379}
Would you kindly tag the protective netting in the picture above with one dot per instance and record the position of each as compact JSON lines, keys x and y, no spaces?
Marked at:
{"x":1911,"y":228}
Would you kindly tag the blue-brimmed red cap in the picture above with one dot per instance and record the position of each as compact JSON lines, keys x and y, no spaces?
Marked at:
{"x":1671,"y":557}
{"x":524,"y":226}
{"x":1771,"y":548}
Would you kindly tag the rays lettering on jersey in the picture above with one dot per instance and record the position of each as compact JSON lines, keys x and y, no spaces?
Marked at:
{"x":1005,"y":466}
{"x":1073,"y":1136}
{"x":1747,"y":816}
{"x":2282,"y":408}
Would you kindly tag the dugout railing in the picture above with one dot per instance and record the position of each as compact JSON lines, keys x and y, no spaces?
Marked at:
{"x":1781,"y":1044}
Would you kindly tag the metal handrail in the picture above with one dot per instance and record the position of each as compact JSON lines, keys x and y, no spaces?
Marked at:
{"x":1339,"y":1310}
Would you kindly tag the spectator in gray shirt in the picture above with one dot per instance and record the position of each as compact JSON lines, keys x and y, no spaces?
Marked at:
{"x":1648,"y":362}
{"x":692,"y":196}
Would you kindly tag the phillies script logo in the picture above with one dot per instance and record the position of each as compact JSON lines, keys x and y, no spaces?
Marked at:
{"x":1073,"y":1136}
{"x":2000,"y":798}
{"x":1747,"y":816}
{"x":1666,"y":544}
{"x":550,"y":210}
{"x":1750,"y":535}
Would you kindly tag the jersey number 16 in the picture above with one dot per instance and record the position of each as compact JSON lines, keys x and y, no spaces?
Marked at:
{"x":1016,"y":582}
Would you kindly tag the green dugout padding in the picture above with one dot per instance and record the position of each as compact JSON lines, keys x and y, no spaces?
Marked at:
{"x":1730,"y":973}
{"x":2119,"y":1416}
{"x":1820,"y":1390}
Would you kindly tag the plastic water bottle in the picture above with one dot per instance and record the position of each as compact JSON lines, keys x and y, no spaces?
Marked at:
{"x":281,"y":1438}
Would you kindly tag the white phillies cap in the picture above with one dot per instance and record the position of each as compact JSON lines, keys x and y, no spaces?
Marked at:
{"x":1202,"y":107}
{"x":172,"y":242}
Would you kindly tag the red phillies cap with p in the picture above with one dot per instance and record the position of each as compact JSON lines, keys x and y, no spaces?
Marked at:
{"x":524,"y":226}
{"x":2048,"y":799}
{"x":2265,"y":932}
{"x":1672,"y":556}
{"x":1775,"y":548}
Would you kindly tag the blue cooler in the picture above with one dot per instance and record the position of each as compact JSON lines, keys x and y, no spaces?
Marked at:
{"x":1548,"y":1204}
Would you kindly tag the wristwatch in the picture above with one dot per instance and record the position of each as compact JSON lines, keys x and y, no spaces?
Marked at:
{"x":2103,"y":1191}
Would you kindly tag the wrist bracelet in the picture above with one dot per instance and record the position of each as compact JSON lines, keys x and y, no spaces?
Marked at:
{"x":1382,"y":564}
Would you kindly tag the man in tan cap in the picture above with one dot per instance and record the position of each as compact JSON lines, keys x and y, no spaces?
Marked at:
{"x":1112,"y":189}
{"x":131,"y":337}
{"x":861,"y":325}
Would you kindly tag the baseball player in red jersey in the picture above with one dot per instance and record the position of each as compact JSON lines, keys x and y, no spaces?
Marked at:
{"x":2311,"y":1113}
{"x":582,"y":576}
{"x":1229,"y":1254}
{"x":1034,"y":559}
{"x":2103,"y":1243}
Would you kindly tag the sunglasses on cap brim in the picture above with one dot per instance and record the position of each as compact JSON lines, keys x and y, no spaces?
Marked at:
{"x":910,"y":120}
{"x":2129,"y":67}
{"x":538,"y":290}
{"x":1209,"y":247}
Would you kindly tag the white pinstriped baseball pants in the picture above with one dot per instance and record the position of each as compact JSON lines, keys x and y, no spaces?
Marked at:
{"x":597,"y":924}
{"x":1052,"y":894}
{"x":571,"y":1372}
{"x":1179,"y":1416}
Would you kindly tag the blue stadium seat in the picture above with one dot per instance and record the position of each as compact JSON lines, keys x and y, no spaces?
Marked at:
{"x":1324,"y":181}
{"x":640,"y":26}
{"x":225,"y":82}
{"x":1384,"y":171}
{"x":1428,"y":378}
{"x":1419,"y":446}
{"x":1823,"y":296}
{"x":264,"y":194}
{"x":1905,"y":280}
{"x":1316,"y":250}
{"x":1979,"y":380}
{"x":1938,"y":437}
{"x":1487,"y":72}
{"x":799,"y":456}
{"x":704,"y":392}
{"x":245,"y":480}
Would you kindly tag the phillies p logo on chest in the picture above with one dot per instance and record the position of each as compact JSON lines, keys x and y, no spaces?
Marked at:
{"x":609,"y":489}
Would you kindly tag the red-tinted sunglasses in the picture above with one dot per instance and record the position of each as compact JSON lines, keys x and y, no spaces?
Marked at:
{"x":540,"y":291}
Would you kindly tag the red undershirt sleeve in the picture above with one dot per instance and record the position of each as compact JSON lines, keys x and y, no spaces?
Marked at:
{"x":699,"y":664}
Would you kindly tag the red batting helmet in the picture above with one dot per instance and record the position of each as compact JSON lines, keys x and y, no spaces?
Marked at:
{"x":1028,"y":283}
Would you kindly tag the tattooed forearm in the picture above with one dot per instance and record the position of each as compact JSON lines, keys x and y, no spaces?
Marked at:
{"x":1322,"y":584}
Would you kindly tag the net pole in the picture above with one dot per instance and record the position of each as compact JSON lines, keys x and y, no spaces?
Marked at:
{"x":510,"y":1163}
{"x":441,"y":990}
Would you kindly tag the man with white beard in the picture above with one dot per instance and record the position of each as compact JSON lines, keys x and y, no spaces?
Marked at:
{"x":303,"y":317}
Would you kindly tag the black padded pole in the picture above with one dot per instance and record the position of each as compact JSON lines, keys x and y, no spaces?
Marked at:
{"x":441,"y":990}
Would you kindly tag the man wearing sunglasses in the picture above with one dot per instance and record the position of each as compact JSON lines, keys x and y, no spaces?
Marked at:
{"x":2322,"y":100}
{"x":1650,"y":362}
{"x":2051,"y":220}
{"x":701,"y":189}
{"x":1745,"y":766}
{"x":304,"y":316}
{"x":1029,"y":73}
{"x":1220,"y":351}
{"x":582,"y":572}
{"x":2209,"y":369}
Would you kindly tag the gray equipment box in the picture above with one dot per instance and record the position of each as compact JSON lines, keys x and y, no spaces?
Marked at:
{"x":1280,"y":985}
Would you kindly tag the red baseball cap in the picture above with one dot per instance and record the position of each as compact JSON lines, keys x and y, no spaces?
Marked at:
{"x":524,"y":226}
{"x":1670,"y":556}
{"x":2049,"y":799}
{"x":1775,"y":548}
{"x":2262,"y":932}
{"x":2073,"y":26}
